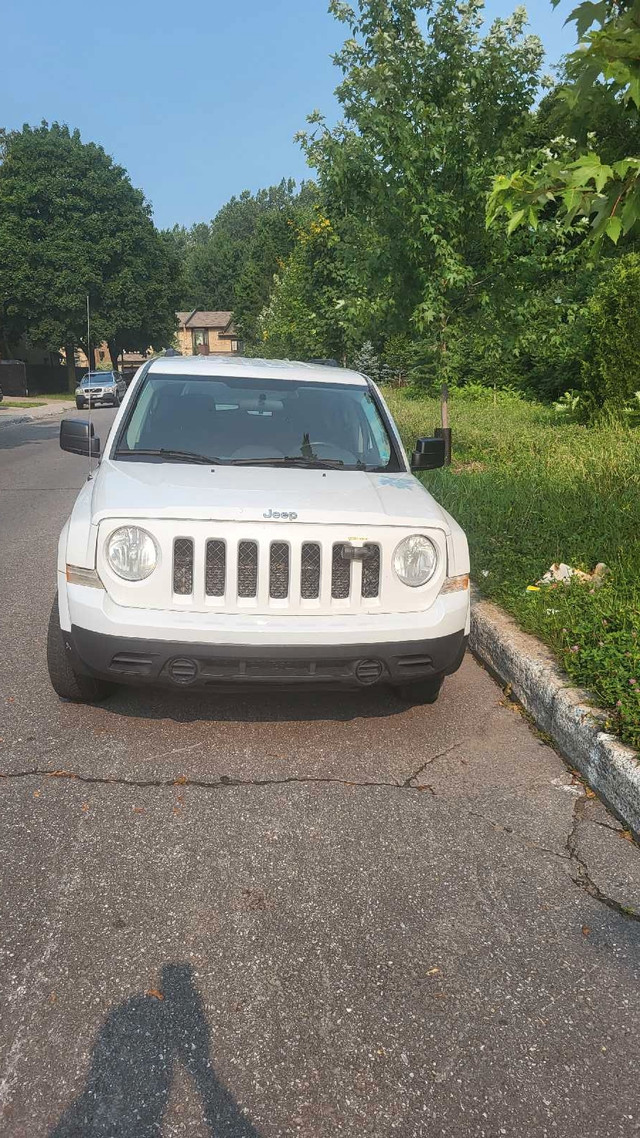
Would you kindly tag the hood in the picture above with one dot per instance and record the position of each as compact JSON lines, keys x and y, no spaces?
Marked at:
{"x":245,"y":493}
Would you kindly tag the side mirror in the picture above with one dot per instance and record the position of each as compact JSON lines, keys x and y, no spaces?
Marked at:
{"x":429,"y":454}
{"x":76,"y":437}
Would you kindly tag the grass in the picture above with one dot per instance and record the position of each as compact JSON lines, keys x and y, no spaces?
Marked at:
{"x":530,"y":490}
{"x":57,"y":395}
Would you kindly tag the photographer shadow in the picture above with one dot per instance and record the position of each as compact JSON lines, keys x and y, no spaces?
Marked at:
{"x":133,"y":1062}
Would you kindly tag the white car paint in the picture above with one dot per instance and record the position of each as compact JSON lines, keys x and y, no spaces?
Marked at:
{"x":263,"y":504}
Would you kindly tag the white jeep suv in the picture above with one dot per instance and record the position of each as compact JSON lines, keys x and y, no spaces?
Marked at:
{"x":256,"y":522}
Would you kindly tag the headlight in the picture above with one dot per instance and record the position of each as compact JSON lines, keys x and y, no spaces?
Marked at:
{"x":415,"y":560}
{"x":132,"y":553}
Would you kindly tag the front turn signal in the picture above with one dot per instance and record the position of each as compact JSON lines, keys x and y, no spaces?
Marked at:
{"x":456,"y":584}
{"x":76,"y":575}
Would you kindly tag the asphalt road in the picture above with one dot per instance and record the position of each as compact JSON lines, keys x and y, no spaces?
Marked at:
{"x":281,"y":915}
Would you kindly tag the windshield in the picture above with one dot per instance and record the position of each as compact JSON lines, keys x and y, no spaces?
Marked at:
{"x":253,"y":421}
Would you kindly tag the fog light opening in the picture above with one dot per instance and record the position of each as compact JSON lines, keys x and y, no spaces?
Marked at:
{"x":183,"y":670}
{"x":368,"y":671}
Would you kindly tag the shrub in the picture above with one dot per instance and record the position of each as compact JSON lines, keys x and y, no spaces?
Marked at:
{"x":399,"y":355}
{"x":611,"y":365}
{"x":367,"y":361}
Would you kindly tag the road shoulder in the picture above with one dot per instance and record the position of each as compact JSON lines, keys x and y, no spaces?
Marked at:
{"x":567,"y":714}
{"x":51,"y":408}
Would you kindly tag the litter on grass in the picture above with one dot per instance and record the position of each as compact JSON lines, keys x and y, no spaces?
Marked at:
{"x":561,"y":574}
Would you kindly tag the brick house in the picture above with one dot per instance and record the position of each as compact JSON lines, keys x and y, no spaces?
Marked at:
{"x":206,"y":332}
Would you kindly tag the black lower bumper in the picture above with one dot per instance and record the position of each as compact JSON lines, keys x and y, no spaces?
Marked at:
{"x":125,"y":660}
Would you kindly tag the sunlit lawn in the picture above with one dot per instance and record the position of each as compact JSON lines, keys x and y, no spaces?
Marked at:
{"x":530,"y":491}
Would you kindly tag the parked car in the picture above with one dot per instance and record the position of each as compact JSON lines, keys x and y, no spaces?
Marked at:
{"x":100,"y":388}
{"x":256,"y":522}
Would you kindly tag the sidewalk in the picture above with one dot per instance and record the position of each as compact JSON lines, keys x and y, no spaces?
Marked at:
{"x":9,"y":416}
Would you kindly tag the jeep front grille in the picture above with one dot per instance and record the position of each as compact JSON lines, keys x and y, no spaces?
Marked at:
{"x":183,"y":566}
{"x":216,"y":568}
{"x":340,"y":573}
{"x":279,"y":570}
{"x":310,"y":562}
{"x":247,"y":569}
{"x":371,"y":571}
{"x":264,"y":572}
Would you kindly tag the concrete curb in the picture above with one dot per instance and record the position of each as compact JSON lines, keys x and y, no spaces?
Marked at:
{"x":563,"y":712}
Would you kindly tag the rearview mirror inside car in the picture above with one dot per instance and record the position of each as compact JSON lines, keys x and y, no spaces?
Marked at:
{"x":78,"y":437}
{"x":428,"y":455}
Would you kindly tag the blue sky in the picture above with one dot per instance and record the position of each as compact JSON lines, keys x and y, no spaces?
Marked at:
{"x":198,"y":101}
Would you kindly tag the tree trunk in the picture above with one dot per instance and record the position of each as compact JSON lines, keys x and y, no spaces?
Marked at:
{"x":71,"y":365}
{"x":114,"y":352}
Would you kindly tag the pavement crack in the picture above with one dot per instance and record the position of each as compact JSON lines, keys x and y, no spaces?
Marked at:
{"x":606,"y":826}
{"x":428,"y":762}
{"x":500,"y":828}
{"x":223,"y":783}
{"x":582,"y":877}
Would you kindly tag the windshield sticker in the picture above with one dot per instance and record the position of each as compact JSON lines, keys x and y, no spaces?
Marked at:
{"x":399,"y":483}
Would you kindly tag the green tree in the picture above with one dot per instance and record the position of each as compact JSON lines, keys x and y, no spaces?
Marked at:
{"x":272,"y":242}
{"x":72,"y":225}
{"x":305,"y":316}
{"x":428,"y":105}
{"x":576,"y":178}
{"x":367,"y":361}
{"x":400,"y":355}
{"x":230,"y":264}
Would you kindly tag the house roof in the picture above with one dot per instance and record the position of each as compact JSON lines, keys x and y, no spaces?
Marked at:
{"x":198,"y":318}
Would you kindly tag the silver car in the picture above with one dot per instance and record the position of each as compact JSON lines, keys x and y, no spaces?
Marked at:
{"x":100,"y":388}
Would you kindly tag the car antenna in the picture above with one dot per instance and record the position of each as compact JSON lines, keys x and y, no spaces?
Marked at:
{"x":89,"y":373}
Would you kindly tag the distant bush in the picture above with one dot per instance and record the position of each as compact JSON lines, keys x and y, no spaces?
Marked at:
{"x":367,"y":361}
{"x":481,"y":393}
{"x":611,"y":367}
{"x":532,"y":342}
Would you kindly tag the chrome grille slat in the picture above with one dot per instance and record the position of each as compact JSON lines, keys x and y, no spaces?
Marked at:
{"x":371,"y":572}
{"x":247,"y":569}
{"x":310,"y":561}
{"x":183,"y":566}
{"x":216,"y":568}
{"x":340,"y":573}
{"x":279,"y":570}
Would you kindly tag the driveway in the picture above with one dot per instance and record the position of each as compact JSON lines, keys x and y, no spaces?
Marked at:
{"x":294,"y":915}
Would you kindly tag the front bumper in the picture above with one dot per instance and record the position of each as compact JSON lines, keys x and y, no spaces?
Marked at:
{"x":136,"y":645}
{"x":188,"y":664}
{"x":96,"y":399}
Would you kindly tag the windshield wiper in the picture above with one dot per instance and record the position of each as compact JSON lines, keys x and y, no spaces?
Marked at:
{"x":181,"y":455}
{"x":289,"y":460}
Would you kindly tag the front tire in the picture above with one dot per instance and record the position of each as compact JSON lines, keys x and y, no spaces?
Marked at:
{"x":79,"y":404}
{"x":421,"y":692}
{"x":65,"y":682}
